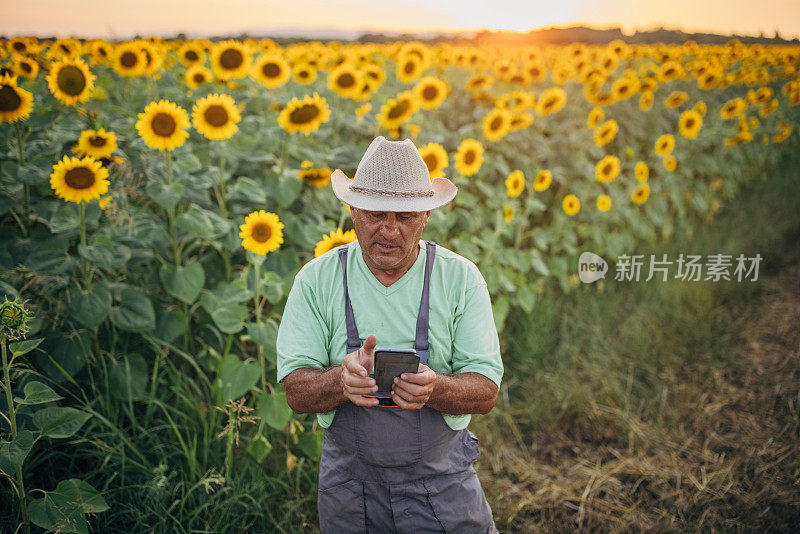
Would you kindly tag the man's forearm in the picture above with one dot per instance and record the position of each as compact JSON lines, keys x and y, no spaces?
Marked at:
{"x":314,"y":390}
{"x":464,"y":393}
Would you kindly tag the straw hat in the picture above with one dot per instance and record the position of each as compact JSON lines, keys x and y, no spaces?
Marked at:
{"x":392,"y":176}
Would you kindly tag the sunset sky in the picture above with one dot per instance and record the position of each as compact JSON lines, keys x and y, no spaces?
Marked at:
{"x":124,"y":18}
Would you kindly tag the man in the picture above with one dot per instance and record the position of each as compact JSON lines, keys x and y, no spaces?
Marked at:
{"x":406,"y":468}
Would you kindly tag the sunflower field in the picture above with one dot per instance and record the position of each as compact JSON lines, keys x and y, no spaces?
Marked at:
{"x":158,"y":197}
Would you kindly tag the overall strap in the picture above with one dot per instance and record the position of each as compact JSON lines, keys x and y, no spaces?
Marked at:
{"x":421,"y":342}
{"x":353,"y":341}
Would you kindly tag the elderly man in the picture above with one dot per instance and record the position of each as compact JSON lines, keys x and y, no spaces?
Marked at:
{"x":406,"y":468}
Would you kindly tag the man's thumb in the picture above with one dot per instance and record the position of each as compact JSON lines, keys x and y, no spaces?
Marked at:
{"x":368,"y":352}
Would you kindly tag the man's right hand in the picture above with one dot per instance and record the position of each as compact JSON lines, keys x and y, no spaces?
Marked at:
{"x":356,"y":367}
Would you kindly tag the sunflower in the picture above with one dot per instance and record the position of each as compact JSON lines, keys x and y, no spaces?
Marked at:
{"x":152,"y":55}
{"x":304,"y":115}
{"x":215,"y":116}
{"x":520,"y":121}
{"x":191,"y":53}
{"x":606,"y":132}
{"x":375,"y":74}
{"x":15,"y":102}
{"x":508,"y":213}
{"x":409,"y":67}
{"x":98,"y":144}
{"x":362,"y":110}
{"x":640,"y":195}
{"x":496,"y":124}
{"x":345,"y":80}
{"x":665,"y":144}
{"x":732,"y":108}
{"x":595,"y":117}
{"x":230,"y":60}
{"x":196,"y":76}
{"x":690,"y":123}
{"x":571,"y":205}
{"x":71,"y":81}
{"x":397,"y":110}
{"x":431,"y":91}
{"x":670,"y":163}
{"x":304,"y":73}
{"x":603,"y":203}
{"x":129,"y":60}
{"x":551,"y":101}
{"x":271,"y":71}
{"x":625,"y":88}
{"x":163,"y":125}
{"x":768,"y":108}
{"x":642,"y":171}
{"x":607,"y":169}
{"x":261,"y":232}
{"x":671,"y":70}
{"x":543,"y":180}
{"x":317,"y":177}
{"x":701,"y":108}
{"x":26,"y":67}
{"x":646,"y":101}
{"x":469,"y":157}
{"x":675,"y":99}
{"x":333,"y":240}
{"x":515,"y":183}
{"x":79,"y":180}
{"x":479,"y":82}
{"x":435,"y":157}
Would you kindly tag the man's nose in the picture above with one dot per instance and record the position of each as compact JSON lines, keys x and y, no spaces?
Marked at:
{"x":390,"y":228}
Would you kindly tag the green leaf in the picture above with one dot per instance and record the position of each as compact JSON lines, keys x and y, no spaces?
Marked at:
{"x":229,"y":318}
{"x":311,"y":444}
{"x":188,"y":162}
{"x":101,"y":255}
{"x":224,"y":308}
{"x":165,"y":195}
{"x":89,"y":308}
{"x":13,"y":453}
{"x":266,"y":336}
{"x":273,"y":410}
{"x":60,"y":422}
{"x":170,"y":325}
{"x":24,"y":347}
{"x":525,"y":298}
{"x":127,"y":380}
{"x":203,"y":223}
{"x":287,"y":190}
{"x":38,"y":393}
{"x":248,"y":190}
{"x":500,"y":306}
{"x":63,"y":509}
{"x":259,"y":448}
{"x":183,"y":283}
{"x":134,"y":311}
{"x":64,"y":219}
{"x":236,"y":378}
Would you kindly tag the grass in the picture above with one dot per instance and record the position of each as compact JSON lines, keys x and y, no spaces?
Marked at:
{"x":660,"y":406}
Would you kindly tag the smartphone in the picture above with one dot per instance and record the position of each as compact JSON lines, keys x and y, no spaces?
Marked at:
{"x":389,"y":364}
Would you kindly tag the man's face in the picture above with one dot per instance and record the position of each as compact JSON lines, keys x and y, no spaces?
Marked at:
{"x":387,"y":238}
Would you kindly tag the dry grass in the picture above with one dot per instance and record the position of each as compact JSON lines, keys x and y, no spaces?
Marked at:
{"x":722,"y":454}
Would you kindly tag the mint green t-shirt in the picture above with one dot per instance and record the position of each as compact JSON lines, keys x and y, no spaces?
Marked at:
{"x":461,"y":333}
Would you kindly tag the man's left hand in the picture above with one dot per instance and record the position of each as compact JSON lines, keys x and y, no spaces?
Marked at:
{"x":411,"y":391}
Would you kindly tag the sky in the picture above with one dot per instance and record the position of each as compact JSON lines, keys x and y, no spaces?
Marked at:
{"x":125,"y":18}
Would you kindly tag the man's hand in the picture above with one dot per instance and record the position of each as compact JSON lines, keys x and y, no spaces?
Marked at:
{"x":356,"y":367}
{"x":411,"y":391}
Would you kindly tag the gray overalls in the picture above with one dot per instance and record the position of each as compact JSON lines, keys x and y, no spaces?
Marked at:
{"x":394,"y":470}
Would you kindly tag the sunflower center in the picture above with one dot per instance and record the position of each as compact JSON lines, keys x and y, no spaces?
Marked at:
{"x":689,"y":123}
{"x":128,"y":59}
{"x":408,"y":68}
{"x":25,"y":67}
{"x":430,"y":92}
{"x":469,"y":157}
{"x":398,"y":110}
{"x":606,"y":169}
{"x":346,"y":80}
{"x":79,"y":178}
{"x":163,"y":125}
{"x":97,"y":141}
{"x":430,"y":161}
{"x":303,"y":74}
{"x":216,"y":115}
{"x":271,"y":70}
{"x":71,"y":80}
{"x":199,"y":78}
{"x":495,"y":124}
{"x":191,"y":55}
{"x":261,"y":232}
{"x":231,"y":59}
{"x":303,"y":114}
{"x":9,"y":99}
{"x":19,"y":47}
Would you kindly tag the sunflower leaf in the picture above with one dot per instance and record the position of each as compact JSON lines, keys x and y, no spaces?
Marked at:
{"x":165,"y":195}
{"x":183,"y":282}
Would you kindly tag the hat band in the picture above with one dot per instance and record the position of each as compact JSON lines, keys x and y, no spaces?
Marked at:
{"x":391,"y":193}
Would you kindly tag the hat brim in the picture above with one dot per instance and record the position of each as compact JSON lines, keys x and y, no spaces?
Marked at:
{"x":443,"y":192}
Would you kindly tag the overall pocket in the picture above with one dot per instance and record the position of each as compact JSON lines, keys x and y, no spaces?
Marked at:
{"x":459,"y":502}
{"x":341,"y":508}
{"x":388,"y":437}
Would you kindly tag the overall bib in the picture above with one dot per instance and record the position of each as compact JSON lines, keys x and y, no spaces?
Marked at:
{"x":394,"y":470}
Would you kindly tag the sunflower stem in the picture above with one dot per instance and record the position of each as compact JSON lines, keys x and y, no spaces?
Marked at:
{"x":257,"y":299}
{"x":13,"y":420}
{"x":82,"y":210}
{"x":171,"y":213}
{"x":26,"y":199}
{"x":284,"y":154}
{"x":342,"y":215}
{"x":221,"y":195}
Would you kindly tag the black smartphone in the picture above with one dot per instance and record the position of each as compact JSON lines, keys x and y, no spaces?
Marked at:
{"x":391,"y":363}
